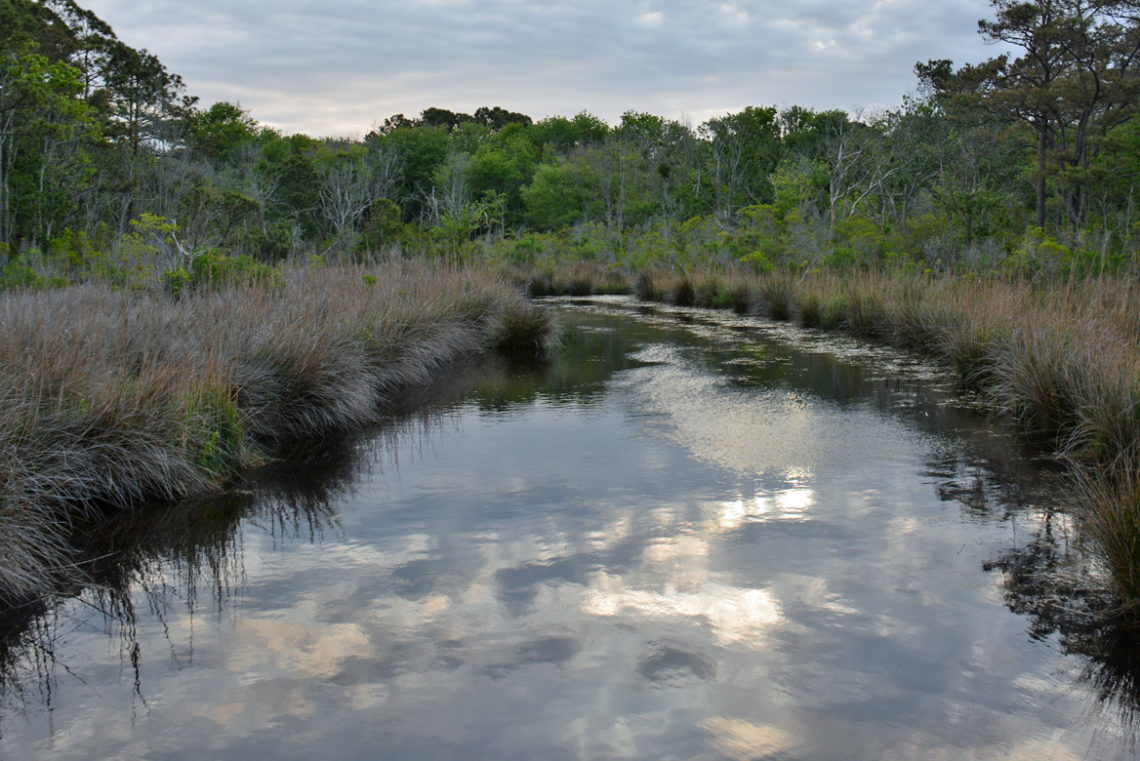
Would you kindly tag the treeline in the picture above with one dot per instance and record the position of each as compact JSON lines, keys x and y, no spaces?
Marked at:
{"x":1026,"y":163}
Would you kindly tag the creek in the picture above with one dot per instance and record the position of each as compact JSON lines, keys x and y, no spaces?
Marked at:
{"x":690,"y":535}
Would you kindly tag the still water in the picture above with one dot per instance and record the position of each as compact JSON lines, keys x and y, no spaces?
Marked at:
{"x":690,"y":536}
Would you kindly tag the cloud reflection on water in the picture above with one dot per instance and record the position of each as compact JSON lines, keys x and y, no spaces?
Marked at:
{"x":605,"y":579}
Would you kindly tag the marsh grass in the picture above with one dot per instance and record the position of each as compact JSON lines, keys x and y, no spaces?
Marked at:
{"x":581,"y":278}
{"x":653,"y":285}
{"x":1113,"y":523}
{"x":112,"y":399}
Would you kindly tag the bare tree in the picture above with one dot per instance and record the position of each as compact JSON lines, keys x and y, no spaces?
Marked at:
{"x":351,"y":182}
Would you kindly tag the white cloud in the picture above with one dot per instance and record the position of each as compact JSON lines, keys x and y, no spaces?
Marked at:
{"x":653,"y":19}
{"x":339,"y":66}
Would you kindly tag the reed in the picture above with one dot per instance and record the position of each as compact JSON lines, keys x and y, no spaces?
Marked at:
{"x":777,"y":297}
{"x":115,"y":399}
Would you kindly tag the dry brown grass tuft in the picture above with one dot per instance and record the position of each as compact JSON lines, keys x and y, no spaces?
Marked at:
{"x":1113,"y":523}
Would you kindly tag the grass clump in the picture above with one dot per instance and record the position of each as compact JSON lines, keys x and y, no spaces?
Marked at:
{"x":523,"y":330}
{"x":1113,"y":523}
{"x":651,"y":285}
{"x":777,"y":294}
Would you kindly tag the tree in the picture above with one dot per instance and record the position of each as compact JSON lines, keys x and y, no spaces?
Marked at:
{"x":144,"y":98}
{"x":220,"y":132}
{"x":1075,"y":76}
{"x":350,"y":185}
{"x":420,"y":151}
{"x":286,"y":167}
{"x":441,"y":117}
{"x":503,"y":165}
{"x":557,"y":197}
{"x":558,"y":135}
{"x":496,"y":117}
{"x":745,"y":150}
{"x":41,"y":123}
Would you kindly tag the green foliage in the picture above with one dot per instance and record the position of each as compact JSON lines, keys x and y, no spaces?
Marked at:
{"x":76,"y":252}
{"x":558,"y":135}
{"x":857,"y":242}
{"x":221,"y":131}
{"x":210,"y":269}
{"x":297,"y":193}
{"x":152,"y":232}
{"x":422,"y":151}
{"x":19,"y":274}
{"x":556,"y":198}
{"x":272,"y":244}
{"x":747,"y":148}
{"x":176,"y":281}
{"x":384,"y":226}
{"x":213,"y":430}
{"x":1039,"y":255}
{"x":502,"y":167}
{"x":759,"y":241}
{"x":47,"y":130}
{"x":527,"y":249}
{"x":797,"y":183}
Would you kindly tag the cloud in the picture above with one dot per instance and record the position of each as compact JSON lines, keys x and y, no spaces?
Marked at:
{"x":338,"y":67}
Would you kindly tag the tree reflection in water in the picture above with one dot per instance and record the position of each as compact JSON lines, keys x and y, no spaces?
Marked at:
{"x":169,"y":554}
{"x":1048,"y":578}
{"x":1049,"y":581}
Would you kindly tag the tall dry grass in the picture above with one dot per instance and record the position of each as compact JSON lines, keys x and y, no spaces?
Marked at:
{"x":110,"y":398}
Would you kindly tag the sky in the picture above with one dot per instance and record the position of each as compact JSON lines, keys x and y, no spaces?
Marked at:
{"x":340,"y":67}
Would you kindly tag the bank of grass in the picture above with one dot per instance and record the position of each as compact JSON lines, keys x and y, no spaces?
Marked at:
{"x":1063,"y":359}
{"x":113,"y":398}
{"x":574,"y":278}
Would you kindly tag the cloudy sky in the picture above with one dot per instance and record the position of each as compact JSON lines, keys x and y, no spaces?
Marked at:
{"x":340,"y":66}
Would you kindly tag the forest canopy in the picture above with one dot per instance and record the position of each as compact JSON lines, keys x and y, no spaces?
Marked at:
{"x":1027,"y":161}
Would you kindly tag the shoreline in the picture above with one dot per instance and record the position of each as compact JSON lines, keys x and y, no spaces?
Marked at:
{"x":118,"y":398}
{"x":1062,"y":359}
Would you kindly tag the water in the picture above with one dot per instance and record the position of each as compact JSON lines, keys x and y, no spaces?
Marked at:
{"x":691,"y":537}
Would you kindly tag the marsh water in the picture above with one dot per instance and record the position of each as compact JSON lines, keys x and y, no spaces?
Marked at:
{"x":688,"y":536}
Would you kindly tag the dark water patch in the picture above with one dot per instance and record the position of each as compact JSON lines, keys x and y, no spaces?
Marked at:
{"x":669,"y":664}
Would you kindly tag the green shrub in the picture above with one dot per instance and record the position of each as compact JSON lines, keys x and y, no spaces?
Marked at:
{"x":273,"y":244}
{"x":213,"y":430}
{"x":210,"y":269}
{"x":176,"y":281}
{"x":18,"y":274}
